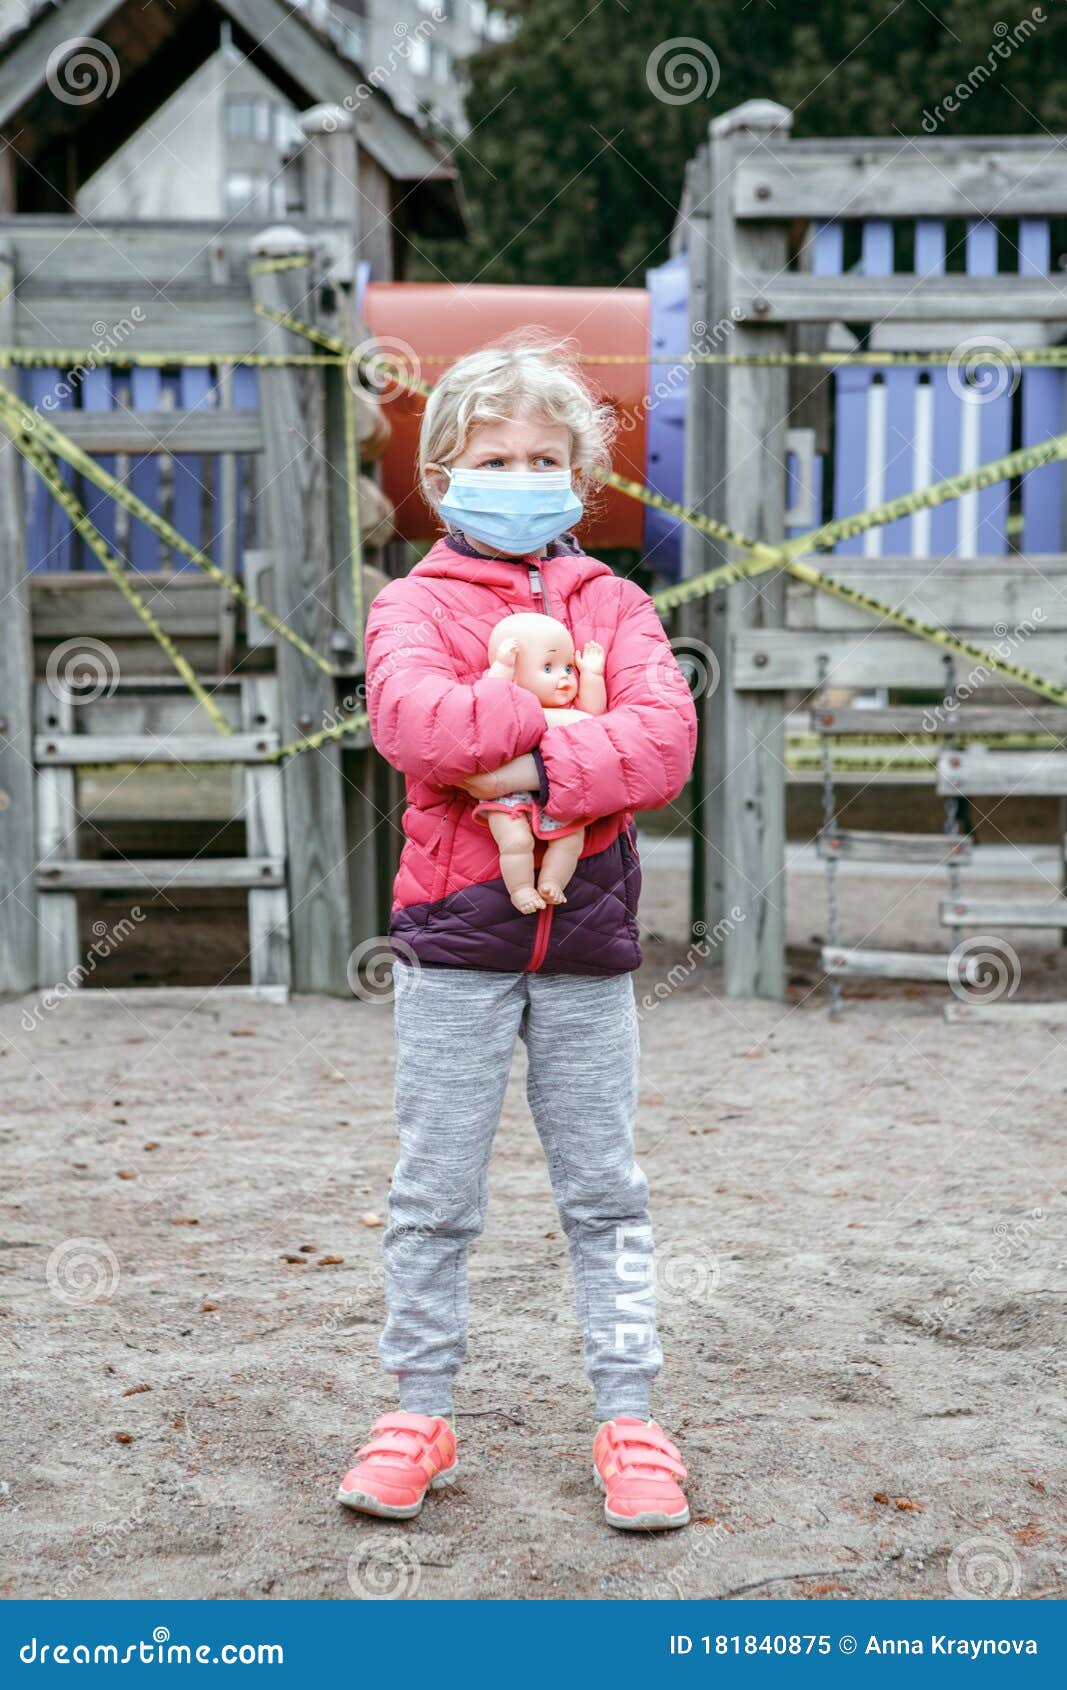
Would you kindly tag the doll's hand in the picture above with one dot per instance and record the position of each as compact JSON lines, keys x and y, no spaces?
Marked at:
{"x":592,"y":658}
{"x":520,"y":775}
{"x":503,"y":664}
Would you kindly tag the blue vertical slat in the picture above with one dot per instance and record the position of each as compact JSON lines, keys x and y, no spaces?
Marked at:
{"x":146,"y":388}
{"x":668,"y":293}
{"x":850,"y":399}
{"x":50,"y":539}
{"x":929,"y":246}
{"x":994,"y":422}
{"x":899,"y":447}
{"x":877,"y":254}
{"x":245,"y":397}
{"x":97,"y":391}
{"x":194,"y":388}
{"x":1043,"y":398}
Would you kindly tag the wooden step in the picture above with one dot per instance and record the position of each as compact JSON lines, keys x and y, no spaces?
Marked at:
{"x":896,"y":965}
{"x":185,"y":997}
{"x":159,"y":874}
{"x":862,"y":846}
{"x":976,"y":772}
{"x":146,"y":432}
{"x":917,"y":719}
{"x":83,"y":750}
{"x":1019,"y":1014}
{"x":1001,"y":912}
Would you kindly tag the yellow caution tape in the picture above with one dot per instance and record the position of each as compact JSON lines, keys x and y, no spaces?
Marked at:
{"x":28,"y":425}
{"x":83,"y":525}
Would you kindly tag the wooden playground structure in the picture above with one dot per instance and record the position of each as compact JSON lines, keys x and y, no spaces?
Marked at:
{"x":846,"y":303}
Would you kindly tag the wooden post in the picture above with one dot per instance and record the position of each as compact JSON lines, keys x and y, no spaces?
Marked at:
{"x":295,"y":494}
{"x":18,"y":893}
{"x":737,"y":470}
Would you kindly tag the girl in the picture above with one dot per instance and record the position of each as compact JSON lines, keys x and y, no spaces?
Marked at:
{"x":510,"y":440}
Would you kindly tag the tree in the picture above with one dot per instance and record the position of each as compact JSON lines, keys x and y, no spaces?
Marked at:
{"x":573,"y":167}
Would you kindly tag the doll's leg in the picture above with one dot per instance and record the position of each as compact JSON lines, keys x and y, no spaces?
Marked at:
{"x":558,"y":865}
{"x":516,"y":845}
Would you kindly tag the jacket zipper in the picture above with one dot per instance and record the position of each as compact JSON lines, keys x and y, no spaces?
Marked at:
{"x":540,"y":944}
{"x":544,"y":917}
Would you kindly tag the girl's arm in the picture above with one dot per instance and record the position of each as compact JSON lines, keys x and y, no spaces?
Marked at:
{"x":425,"y":722}
{"x":637,"y":756}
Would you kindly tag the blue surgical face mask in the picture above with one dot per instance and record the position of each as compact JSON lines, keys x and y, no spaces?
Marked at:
{"x":517,"y":511}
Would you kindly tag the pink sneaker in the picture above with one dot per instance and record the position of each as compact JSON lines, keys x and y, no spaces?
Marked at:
{"x":406,"y":1455}
{"x":637,"y":1467}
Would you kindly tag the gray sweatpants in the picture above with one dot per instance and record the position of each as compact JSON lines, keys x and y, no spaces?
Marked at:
{"x":455,"y":1031}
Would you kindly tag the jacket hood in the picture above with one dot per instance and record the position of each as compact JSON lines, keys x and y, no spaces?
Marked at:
{"x":567,"y":570}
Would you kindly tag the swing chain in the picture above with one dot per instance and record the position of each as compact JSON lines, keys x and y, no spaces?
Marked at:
{"x":829,"y":828}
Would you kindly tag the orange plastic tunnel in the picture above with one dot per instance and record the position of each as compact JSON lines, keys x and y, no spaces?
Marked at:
{"x":422,"y":323}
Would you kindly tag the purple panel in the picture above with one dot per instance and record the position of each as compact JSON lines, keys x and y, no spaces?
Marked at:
{"x":944,"y":519}
{"x":191,"y":489}
{"x":994,"y":424}
{"x":668,"y":288}
{"x":1043,"y":408}
{"x":850,"y":451}
{"x":50,"y":539}
{"x":929,"y":246}
{"x":146,"y":388}
{"x":876,"y":249}
{"x":245,"y":397}
{"x":97,"y":394}
{"x":899,"y":453}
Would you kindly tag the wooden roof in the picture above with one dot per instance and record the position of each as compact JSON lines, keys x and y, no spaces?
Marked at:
{"x":54,"y":144}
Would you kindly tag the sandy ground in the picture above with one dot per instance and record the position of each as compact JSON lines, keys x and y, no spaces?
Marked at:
{"x":860,"y":1234}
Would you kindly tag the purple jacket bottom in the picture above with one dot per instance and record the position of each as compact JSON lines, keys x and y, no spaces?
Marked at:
{"x":594,"y":932}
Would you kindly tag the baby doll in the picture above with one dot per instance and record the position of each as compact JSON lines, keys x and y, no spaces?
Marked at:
{"x":537,"y":653}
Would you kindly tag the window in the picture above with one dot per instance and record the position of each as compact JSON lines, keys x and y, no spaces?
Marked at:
{"x":441,"y":62}
{"x":252,"y":193}
{"x":479,"y":16}
{"x":248,"y":118}
{"x":420,"y":56}
{"x":287,"y":131}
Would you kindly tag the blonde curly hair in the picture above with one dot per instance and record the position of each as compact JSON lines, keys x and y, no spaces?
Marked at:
{"x":529,"y":373}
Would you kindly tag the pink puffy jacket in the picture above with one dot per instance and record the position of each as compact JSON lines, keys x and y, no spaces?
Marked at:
{"x":436,"y":716}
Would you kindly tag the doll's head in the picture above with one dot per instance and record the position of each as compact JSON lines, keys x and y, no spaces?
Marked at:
{"x":545,"y":663}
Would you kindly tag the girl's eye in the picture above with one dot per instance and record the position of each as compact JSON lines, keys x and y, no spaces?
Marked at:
{"x":492,"y":463}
